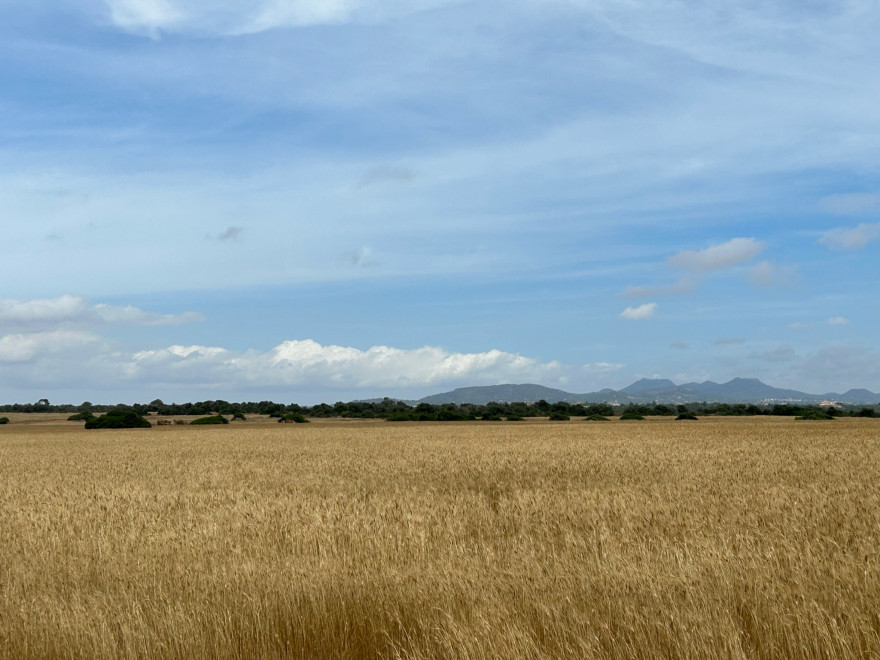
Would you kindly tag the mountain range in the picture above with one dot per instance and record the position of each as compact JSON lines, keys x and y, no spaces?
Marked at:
{"x":647,"y":390}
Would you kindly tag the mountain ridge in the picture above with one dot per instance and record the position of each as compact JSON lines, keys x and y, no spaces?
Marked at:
{"x":646,"y":390}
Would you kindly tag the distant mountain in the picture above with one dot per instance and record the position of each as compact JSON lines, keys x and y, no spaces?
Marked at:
{"x":647,"y":390}
{"x":647,"y":384}
{"x":489,"y":393}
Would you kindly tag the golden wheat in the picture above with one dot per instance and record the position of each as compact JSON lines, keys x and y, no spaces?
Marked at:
{"x":723,"y":538}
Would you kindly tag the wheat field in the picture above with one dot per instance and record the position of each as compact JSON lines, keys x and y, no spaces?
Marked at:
{"x":723,"y":538}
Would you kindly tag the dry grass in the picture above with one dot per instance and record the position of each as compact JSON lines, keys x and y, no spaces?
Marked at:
{"x":729,"y":538}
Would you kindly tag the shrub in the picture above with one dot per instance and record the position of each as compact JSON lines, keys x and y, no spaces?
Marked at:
{"x":556,"y":416}
{"x":4,"y":420}
{"x":630,"y":415}
{"x":450,"y":416}
{"x":490,"y":418}
{"x":686,"y":415}
{"x":214,"y":419}
{"x":238,"y":415}
{"x":118,"y":419}
{"x":399,"y":417}
{"x":814,"y":414}
{"x":296,"y":418}
{"x":514,"y":418}
{"x":85,"y":415}
{"x":596,"y":418}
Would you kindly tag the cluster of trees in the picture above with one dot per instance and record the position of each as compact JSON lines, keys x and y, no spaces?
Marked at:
{"x":394,"y":410}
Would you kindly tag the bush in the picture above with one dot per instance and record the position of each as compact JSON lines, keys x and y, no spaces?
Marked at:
{"x":686,"y":415}
{"x":630,"y":415}
{"x":514,"y":418}
{"x":596,"y":418}
{"x":399,"y":417}
{"x":814,"y":414}
{"x":118,"y":419}
{"x":450,"y":416}
{"x":238,"y":415}
{"x":215,"y":419}
{"x":296,"y":418}
{"x":81,"y":416}
{"x":4,"y":420}
{"x":556,"y":416}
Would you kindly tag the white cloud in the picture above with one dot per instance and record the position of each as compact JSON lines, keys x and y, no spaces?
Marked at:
{"x":766,"y":274}
{"x":603,"y":367}
{"x":837,"y":320}
{"x":306,"y":362}
{"x":236,"y":17}
{"x":144,"y":16}
{"x":645,"y":311}
{"x":24,"y":347}
{"x":851,"y":238}
{"x":46,"y":310}
{"x":68,"y":309}
{"x":718,"y":257}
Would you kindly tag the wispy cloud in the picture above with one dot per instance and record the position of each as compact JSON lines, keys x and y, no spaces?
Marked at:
{"x":239,"y":17}
{"x":850,"y":203}
{"x":645,"y":311}
{"x":386,"y":174}
{"x":681,"y":287}
{"x":76,"y":310}
{"x":728,"y":341}
{"x":783,"y":353}
{"x":837,"y":320}
{"x":231,"y":233}
{"x":718,"y":257}
{"x":851,"y":238}
{"x":362,"y":257}
{"x":767,"y":274}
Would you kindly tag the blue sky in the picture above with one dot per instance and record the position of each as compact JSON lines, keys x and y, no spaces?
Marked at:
{"x":308,"y":201}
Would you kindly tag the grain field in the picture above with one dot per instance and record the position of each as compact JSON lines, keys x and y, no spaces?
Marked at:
{"x":723,"y":538}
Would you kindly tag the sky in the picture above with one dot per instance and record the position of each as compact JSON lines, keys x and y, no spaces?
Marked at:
{"x":309,"y":201}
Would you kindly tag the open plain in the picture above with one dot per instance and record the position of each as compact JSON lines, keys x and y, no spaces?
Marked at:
{"x":724,"y":538}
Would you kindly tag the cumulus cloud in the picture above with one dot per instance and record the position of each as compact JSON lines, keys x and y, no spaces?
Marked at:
{"x":718,"y":257}
{"x":767,"y":274}
{"x":645,"y":311}
{"x":24,"y":347}
{"x":837,"y":320}
{"x":67,"y":309}
{"x":307,"y":363}
{"x":851,"y":238}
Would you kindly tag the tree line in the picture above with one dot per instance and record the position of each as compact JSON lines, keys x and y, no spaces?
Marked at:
{"x":395,"y":410}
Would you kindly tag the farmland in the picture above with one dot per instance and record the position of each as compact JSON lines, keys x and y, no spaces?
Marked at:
{"x":751,"y":537}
